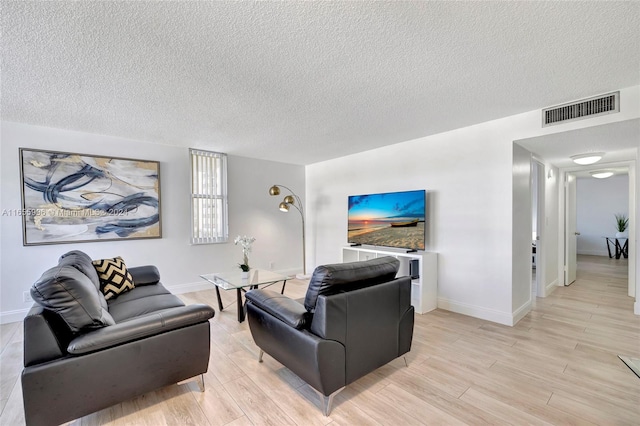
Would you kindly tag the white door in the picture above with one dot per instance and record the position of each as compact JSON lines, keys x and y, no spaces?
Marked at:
{"x":571,"y":234}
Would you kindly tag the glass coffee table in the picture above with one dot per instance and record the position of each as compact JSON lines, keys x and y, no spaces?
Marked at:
{"x":235,"y":281}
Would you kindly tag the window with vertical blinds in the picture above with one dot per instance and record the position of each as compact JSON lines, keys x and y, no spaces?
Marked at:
{"x":208,"y":197}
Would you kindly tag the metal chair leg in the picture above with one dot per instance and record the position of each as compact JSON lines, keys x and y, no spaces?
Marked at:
{"x":260,"y":355}
{"x":201,"y":383}
{"x":198,"y":379}
{"x":406,"y":364}
{"x":327,"y":402}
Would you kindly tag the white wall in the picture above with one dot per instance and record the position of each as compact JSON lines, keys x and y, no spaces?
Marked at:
{"x":469,"y":176}
{"x":635,"y":230}
{"x":597,"y":201}
{"x":521,"y":237}
{"x":534,"y":198}
{"x":550,"y":232}
{"x":547,"y":265}
{"x":251,"y":211}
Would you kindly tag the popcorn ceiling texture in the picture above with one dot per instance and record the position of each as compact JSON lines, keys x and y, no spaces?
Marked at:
{"x":302,"y":82}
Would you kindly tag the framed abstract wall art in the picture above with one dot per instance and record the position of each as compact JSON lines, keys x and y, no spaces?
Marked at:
{"x":74,"y":198}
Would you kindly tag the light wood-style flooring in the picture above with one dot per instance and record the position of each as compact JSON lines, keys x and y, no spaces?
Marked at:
{"x":558,"y":366}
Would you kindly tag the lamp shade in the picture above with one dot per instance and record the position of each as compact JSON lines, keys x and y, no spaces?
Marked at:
{"x":274,"y":190}
{"x":289,"y":199}
{"x":284,"y":207}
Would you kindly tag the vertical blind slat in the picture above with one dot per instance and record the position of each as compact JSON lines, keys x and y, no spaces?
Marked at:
{"x":208,"y":193}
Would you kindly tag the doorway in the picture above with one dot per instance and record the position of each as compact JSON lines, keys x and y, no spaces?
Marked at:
{"x":619,"y":142}
{"x":580,"y":236}
{"x":591,"y":208}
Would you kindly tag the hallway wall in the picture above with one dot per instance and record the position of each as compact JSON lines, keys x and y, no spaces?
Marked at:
{"x":598,"y":201}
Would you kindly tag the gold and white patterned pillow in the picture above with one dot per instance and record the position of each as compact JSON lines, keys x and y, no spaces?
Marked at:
{"x":115,"y":279}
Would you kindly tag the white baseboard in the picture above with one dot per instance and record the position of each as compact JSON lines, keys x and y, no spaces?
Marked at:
{"x":492,"y":315}
{"x":521,"y":312}
{"x":594,"y":253}
{"x":190,"y":287}
{"x":293,"y":273}
{"x":13,"y":316}
{"x":551,"y":287}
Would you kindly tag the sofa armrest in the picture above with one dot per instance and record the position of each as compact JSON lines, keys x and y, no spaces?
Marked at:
{"x":144,"y":275}
{"x":139,"y":328}
{"x":282,"y":307}
{"x":319,"y":362}
{"x":46,"y":336}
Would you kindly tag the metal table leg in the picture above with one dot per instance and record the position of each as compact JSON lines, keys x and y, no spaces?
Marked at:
{"x":219,"y":299}
{"x":622,"y":250}
{"x":240,"y":307}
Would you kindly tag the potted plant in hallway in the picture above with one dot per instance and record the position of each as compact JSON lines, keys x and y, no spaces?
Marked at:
{"x":622,"y":222}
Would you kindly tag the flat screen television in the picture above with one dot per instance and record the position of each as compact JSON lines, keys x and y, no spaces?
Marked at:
{"x":391,"y":219}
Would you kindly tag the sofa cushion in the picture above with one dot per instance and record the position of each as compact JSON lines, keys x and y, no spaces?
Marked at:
{"x":83,"y":263}
{"x":114,"y":277}
{"x":339,"y":277}
{"x":141,"y":327}
{"x":71,"y":294}
{"x":141,"y":301}
{"x":138,"y":293}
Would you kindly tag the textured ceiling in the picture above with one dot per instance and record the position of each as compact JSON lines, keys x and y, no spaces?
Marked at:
{"x":302,"y":82}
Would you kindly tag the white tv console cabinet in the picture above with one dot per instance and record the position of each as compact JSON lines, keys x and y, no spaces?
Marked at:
{"x":424,"y":288}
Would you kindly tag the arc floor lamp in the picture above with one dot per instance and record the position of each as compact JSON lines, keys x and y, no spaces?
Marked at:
{"x":285,"y":205}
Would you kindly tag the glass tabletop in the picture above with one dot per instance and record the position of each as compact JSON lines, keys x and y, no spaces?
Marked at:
{"x":234,"y":280}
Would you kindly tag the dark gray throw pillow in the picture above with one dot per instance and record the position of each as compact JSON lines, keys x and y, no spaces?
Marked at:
{"x":71,"y":294}
{"x":329,"y":279}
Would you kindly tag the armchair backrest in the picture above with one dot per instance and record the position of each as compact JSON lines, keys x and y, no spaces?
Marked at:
{"x":374,"y":323}
{"x":343,"y":277}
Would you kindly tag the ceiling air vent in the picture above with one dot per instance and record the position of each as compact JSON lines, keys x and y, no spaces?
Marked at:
{"x":599,"y":105}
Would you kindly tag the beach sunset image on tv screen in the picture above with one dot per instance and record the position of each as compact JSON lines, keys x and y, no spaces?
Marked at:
{"x":393,"y":219}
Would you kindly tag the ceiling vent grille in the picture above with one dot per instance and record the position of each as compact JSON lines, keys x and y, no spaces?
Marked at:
{"x":599,"y":105}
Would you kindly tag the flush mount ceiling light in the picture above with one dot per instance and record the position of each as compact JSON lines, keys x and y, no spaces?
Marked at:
{"x":601,"y":174}
{"x":590,"y":158}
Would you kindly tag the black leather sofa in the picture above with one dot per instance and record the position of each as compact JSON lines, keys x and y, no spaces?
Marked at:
{"x":355,"y":318}
{"x":83,"y":353}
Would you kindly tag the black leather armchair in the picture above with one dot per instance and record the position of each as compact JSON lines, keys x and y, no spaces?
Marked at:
{"x":355,"y":318}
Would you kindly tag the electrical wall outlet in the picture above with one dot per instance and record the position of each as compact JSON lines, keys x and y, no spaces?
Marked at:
{"x":26,"y":297}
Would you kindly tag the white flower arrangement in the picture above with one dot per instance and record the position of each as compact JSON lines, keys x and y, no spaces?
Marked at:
{"x":245,"y":242}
